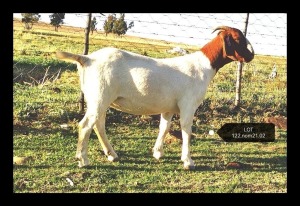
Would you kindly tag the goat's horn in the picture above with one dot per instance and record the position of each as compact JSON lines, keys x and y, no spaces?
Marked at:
{"x":72,"y":57}
{"x":222,"y":28}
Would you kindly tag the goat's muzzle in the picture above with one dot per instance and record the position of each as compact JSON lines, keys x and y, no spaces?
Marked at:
{"x":249,"y":52}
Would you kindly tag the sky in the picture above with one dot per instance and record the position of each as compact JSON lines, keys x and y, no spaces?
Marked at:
{"x":267,"y":32}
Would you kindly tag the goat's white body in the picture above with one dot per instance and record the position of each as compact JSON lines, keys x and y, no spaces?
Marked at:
{"x":141,"y":85}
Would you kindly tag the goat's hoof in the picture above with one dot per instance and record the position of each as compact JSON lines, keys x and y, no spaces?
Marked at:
{"x":158,"y":154}
{"x":112,"y":158}
{"x":188,"y":164}
{"x":189,"y":167}
{"x":83,"y":163}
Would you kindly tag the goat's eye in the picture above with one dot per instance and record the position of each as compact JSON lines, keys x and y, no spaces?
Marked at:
{"x":237,"y":40}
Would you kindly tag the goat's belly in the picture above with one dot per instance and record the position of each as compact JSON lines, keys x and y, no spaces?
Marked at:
{"x":140,"y":107}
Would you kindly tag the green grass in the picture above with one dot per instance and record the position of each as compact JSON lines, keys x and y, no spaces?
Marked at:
{"x":45,"y":94}
{"x":137,"y":171}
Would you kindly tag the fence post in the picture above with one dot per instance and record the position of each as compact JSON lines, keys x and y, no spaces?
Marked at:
{"x":239,"y":72}
{"x":85,"y":52}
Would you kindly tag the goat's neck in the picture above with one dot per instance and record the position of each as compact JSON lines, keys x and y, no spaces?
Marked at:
{"x":214,"y":52}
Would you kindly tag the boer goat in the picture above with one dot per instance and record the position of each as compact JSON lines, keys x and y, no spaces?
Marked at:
{"x":142,"y":85}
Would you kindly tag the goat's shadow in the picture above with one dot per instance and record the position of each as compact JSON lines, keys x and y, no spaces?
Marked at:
{"x":132,"y":162}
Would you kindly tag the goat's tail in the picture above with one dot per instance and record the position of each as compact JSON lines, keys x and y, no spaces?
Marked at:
{"x":69,"y":57}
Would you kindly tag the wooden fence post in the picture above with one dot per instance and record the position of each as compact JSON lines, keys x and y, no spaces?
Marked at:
{"x":239,"y":72}
{"x":85,"y":52}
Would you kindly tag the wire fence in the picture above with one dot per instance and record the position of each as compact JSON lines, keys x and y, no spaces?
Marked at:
{"x":163,"y":35}
{"x":266,"y":32}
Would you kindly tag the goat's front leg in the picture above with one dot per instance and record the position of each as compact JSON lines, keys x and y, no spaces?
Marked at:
{"x":164,"y":126}
{"x":84,"y":130}
{"x":99,"y":129}
{"x":186,"y":121}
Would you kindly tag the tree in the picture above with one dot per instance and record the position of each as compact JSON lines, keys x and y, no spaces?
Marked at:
{"x":56,"y":19}
{"x":29,"y":19}
{"x":93,"y":24}
{"x":120,"y":26}
{"x":116,"y":26}
{"x":109,"y":23}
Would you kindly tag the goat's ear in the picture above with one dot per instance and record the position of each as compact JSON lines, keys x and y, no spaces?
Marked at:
{"x":229,"y":46}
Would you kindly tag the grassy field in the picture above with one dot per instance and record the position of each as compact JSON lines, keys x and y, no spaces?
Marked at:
{"x":45,"y":111}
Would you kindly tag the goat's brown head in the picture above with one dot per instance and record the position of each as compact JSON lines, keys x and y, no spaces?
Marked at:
{"x":235,"y":45}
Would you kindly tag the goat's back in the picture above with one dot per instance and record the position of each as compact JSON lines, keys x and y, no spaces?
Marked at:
{"x":144,"y":85}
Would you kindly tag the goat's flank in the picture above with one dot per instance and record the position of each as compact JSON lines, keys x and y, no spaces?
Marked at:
{"x":142,"y":85}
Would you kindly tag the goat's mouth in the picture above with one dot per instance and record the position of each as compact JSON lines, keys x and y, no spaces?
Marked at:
{"x":249,"y":58}
{"x":246,"y":55}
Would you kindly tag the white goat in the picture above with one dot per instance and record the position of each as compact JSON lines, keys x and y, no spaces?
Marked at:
{"x":142,"y":85}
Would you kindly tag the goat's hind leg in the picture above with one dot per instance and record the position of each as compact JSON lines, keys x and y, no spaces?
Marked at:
{"x":164,"y":127}
{"x":84,"y":130}
{"x":99,"y":129}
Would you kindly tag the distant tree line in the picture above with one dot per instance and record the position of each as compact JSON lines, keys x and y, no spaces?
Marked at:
{"x":29,"y":19}
{"x":112,"y":24}
{"x":116,"y":25}
{"x":56,"y":19}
